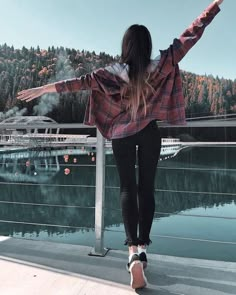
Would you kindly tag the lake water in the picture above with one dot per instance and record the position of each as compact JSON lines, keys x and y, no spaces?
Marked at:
{"x":45,"y":195}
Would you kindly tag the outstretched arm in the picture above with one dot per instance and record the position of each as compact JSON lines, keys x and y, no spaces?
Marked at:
{"x":194,"y":32}
{"x":32,"y":93}
{"x":100,"y":80}
{"x":189,"y":37}
{"x":84,"y":82}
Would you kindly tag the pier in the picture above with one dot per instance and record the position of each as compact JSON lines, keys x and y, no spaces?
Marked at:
{"x":41,"y":267}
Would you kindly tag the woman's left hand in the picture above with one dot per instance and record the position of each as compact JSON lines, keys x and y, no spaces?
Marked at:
{"x":30,"y":94}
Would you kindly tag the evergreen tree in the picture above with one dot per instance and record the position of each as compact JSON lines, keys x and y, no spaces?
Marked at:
{"x":26,"y":68}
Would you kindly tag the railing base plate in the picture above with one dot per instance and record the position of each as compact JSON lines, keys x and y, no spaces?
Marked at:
{"x":99,"y":254}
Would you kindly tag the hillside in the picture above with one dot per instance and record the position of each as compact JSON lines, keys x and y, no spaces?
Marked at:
{"x":26,"y":68}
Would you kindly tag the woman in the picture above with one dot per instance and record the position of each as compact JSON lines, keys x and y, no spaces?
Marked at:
{"x":126,"y":100}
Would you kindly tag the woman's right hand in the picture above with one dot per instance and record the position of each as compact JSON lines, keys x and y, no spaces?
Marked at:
{"x":218,"y":2}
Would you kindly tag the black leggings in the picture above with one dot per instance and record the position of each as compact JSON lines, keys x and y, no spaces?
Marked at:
{"x":137,"y":200}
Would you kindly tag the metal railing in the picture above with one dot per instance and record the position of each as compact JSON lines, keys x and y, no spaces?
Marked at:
{"x":46,"y":140}
{"x":99,"y":249}
{"x":99,"y":198}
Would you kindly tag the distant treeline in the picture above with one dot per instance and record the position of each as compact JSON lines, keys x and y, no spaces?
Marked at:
{"x":26,"y":68}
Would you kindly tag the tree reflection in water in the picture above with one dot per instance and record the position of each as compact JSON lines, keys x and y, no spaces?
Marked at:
{"x":36,"y":191}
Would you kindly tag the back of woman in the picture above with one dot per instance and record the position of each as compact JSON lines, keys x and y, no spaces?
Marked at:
{"x":126,"y":100}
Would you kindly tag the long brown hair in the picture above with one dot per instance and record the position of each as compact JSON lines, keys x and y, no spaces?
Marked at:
{"x":136,"y":52}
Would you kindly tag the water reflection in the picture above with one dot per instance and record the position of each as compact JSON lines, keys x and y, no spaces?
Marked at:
{"x":198,"y":177}
{"x":36,"y":190}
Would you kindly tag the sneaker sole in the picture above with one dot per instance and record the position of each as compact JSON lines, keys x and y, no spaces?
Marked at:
{"x":144,"y":266}
{"x":138,"y":279}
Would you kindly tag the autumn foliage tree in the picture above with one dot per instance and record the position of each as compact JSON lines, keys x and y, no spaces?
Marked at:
{"x":25,"y":68}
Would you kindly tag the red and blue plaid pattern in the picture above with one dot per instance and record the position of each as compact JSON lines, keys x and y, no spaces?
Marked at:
{"x":105,"y":107}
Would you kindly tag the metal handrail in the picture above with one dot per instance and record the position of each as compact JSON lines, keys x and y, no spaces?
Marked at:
{"x":100,"y":143}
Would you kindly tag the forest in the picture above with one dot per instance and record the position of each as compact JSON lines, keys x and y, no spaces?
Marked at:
{"x":24,"y":68}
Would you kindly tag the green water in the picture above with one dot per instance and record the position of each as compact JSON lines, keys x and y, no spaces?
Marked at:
{"x":195,"y":199}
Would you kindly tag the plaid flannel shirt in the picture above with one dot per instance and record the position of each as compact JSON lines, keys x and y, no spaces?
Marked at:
{"x":105,"y":107}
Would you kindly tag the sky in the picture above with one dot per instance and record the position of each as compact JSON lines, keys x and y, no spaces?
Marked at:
{"x":99,"y":25}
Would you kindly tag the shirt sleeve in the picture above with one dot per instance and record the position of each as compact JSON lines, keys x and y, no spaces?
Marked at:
{"x":99,"y":80}
{"x":84,"y":82}
{"x":189,"y":37}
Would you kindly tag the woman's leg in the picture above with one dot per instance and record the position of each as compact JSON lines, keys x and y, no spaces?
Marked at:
{"x":148,"y":155}
{"x":124,"y":151}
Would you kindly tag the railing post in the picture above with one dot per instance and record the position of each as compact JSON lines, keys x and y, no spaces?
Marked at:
{"x":99,"y":249}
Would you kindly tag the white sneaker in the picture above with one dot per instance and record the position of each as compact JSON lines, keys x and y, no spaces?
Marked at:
{"x":138,"y":279}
